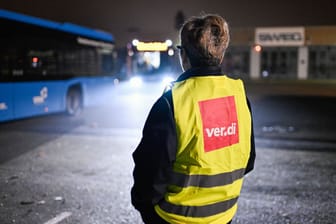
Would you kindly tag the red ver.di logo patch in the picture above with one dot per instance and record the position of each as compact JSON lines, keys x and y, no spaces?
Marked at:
{"x":220,"y":125}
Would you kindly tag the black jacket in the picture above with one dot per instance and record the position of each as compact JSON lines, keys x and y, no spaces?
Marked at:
{"x":155,"y":155}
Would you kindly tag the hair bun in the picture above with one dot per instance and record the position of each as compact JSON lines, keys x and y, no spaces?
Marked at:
{"x":205,"y":39}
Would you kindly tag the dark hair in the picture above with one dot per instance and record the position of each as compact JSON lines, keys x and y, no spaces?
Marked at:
{"x":205,"y":39}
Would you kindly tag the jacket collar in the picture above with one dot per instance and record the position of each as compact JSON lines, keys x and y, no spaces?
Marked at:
{"x":200,"y":71}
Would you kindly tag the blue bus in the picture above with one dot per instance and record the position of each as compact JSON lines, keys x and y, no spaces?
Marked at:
{"x":48,"y":67}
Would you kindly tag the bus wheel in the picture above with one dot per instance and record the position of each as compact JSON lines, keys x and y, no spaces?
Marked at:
{"x":74,"y":102}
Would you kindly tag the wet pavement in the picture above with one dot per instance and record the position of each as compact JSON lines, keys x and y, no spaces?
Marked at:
{"x":80,"y":178}
{"x":286,"y":186}
{"x":290,"y":186}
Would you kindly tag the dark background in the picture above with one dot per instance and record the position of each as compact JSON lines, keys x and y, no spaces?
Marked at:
{"x":155,"y":19}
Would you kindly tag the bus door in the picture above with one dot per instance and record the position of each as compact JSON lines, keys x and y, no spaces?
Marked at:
{"x":279,"y":62}
{"x":6,"y":101}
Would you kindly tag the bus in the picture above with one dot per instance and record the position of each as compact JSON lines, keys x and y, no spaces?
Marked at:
{"x":151,"y":61}
{"x":48,"y":67}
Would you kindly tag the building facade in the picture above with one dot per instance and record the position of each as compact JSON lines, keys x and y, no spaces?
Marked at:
{"x":282,"y":53}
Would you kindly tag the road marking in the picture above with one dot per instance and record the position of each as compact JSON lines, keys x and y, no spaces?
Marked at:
{"x":59,"y":218}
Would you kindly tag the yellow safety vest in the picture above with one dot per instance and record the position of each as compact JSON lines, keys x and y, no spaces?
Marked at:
{"x":213,"y":125}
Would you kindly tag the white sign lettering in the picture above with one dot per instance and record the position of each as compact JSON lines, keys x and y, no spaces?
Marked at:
{"x":42,"y":97}
{"x":290,"y":36}
{"x":221,"y":131}
{"x":3,"y":106}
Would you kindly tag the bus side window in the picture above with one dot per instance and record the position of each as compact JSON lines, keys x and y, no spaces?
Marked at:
{"x":4,"y":65}
{"x":16,"y":63}
{"x":107,"y":66}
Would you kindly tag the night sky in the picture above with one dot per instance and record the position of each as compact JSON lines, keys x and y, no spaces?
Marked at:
{"x":150,"y":20}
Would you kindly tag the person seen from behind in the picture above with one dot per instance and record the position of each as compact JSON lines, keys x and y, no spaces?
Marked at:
{"x":198,"y":140}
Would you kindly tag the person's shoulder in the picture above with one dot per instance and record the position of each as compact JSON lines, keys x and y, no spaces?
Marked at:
{"x":164,"y":101}
{"x":167,"y":96}
{"x":167,"y":93}
{"x":234,"y":79}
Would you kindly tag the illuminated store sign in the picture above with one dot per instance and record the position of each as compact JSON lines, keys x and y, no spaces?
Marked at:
{"x":152,"y":46}
{"x":286,"y":36}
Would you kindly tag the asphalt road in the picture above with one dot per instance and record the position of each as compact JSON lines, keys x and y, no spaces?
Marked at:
{"x":298,"y":115}
{"x":59,"y":169}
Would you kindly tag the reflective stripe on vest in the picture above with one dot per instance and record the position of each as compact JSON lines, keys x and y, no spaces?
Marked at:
{"x":183,"y":180}
{"x":213,"y":125}
{"x":198,"y":211}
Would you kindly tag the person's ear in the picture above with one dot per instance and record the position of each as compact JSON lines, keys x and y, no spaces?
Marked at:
{"x":185,"y":61}
{"x":222,"y":58}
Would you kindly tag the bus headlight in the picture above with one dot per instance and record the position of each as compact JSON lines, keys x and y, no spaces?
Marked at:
{"x":167,"y":79}
{"x":136,"y":81}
